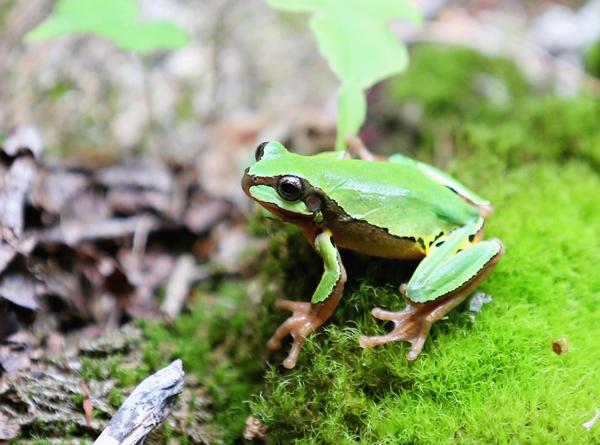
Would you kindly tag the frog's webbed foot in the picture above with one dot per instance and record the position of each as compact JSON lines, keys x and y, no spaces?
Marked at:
{"x":305,"y":319}
{"x":412,"y":324}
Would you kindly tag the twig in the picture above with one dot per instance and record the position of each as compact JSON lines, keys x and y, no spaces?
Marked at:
{"x":179,"y":285}
{"x":590,"y":423}
{"x":88,"y":409}
{"x":146,"y":408}
{"x":73,"y":232}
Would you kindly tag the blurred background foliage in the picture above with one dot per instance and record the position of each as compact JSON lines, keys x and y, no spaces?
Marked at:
{"x":116,"y":20}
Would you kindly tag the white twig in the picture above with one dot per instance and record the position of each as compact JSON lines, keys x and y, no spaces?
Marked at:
{"x":590,"y":423}
{"x":146,"y":408}
{"x":179,"y":285}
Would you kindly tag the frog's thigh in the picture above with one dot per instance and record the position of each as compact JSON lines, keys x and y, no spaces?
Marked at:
{"x":441,"y":177}
{"x":443,"y":271}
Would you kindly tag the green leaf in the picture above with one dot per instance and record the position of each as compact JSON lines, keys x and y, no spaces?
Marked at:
{"x":297,"y":5}
{"x":146,"y":37}
{"x":352,"y":110}
{"x":359,"y":50}
{"x":354,"y":37}
{"x":116,"y":20}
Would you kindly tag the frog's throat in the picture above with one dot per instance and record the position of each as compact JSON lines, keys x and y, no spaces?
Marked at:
{"x":305,"y":221}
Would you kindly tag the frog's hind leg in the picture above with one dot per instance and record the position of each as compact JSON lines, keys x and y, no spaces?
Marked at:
{"x":441,"y":282}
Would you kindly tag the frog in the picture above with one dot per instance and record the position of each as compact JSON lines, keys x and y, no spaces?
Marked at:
{"x":395,"y":208}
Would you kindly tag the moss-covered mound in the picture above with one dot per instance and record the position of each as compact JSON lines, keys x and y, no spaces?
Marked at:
{"x":496,"y":380}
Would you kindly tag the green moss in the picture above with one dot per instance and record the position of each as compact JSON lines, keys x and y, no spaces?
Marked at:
{"x":592,"y":59}
{"x":547,"y":128}
{"x":218,"y":344}
{"x":449,"y":81}
{"x":116,"y":398}
{"x":77,"y":399}
{"x":99,"y":368}
{"x":61,"y":88}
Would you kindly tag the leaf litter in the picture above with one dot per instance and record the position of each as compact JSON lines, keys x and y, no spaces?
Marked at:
{"x":83,"y":251}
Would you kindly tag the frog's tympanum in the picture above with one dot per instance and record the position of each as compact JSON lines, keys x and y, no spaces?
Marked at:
{"x":393,"y":208}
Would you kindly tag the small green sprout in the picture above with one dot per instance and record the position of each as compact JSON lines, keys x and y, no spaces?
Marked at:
{"x":354,"y":37}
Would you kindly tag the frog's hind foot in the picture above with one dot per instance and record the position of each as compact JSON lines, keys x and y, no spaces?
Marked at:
{"x":412,"y":325}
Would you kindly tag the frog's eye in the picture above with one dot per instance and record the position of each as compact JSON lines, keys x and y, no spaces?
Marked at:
{"x":290,"y":188}
{"x":260,"y":151}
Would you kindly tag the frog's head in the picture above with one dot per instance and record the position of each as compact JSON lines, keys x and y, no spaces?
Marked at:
{"x":275,"y":182}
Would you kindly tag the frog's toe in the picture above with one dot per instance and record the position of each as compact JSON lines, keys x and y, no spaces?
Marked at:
{"x":292,"y":358}
{"x":284,"y":329}
{"x":409,"y":326}
{"x":273,"y":344}
{"x":416,"y":347}
{"x":293,"y":306}
{"x":382,"y":314}
{"x":400,"y":333}
{"x":299,"y":325}
{"x":376,"y":340}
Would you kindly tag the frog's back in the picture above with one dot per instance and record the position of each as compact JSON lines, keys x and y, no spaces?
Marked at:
{"x":395,"y":197}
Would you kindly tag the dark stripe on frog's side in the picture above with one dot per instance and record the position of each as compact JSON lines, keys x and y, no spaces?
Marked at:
{"x":366,"y":238}
{"x":349,"y":233}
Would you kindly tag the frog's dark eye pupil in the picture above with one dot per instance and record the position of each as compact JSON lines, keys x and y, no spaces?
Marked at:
{"x":290,"y":188}
{"x":260,"y":151}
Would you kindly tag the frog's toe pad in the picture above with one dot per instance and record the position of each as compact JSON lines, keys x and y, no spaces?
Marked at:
{"x":273,"y":344}
{"x":409,"y":326}
{"x":298,"y":325}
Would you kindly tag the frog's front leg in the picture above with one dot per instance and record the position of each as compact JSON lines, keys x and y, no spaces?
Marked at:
{"x":447,"y":275}
{"x":306,"y":317}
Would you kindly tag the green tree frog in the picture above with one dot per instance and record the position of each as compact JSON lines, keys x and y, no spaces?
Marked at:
{"x":395,"y":208}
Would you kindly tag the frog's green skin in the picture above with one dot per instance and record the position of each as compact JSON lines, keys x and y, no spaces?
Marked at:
{"x":400,"y":209}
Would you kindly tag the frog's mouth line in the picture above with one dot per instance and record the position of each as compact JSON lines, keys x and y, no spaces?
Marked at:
{"x":287,"y":216}
{"x":250,"y":180}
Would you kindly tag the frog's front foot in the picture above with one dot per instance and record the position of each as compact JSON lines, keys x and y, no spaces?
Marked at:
{"x":412,"y":324}
{"x":305,"y":319}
